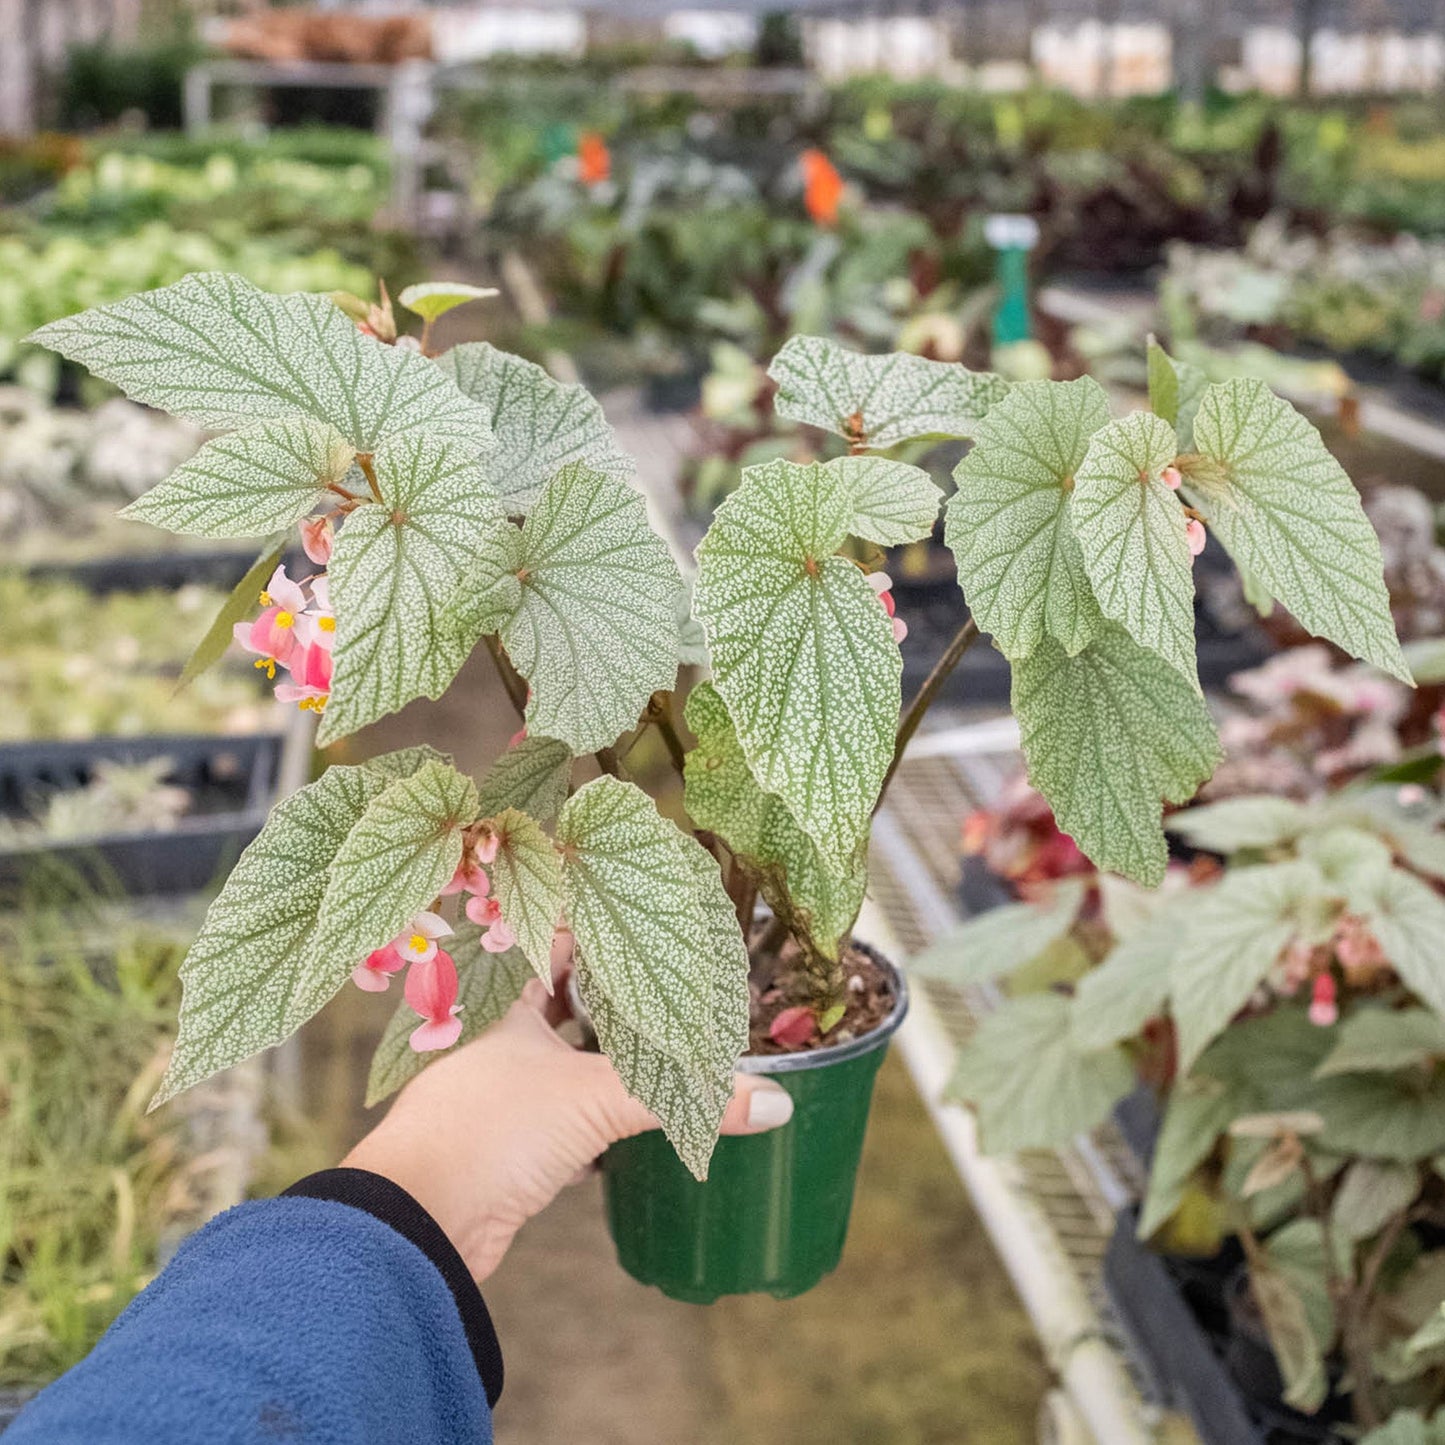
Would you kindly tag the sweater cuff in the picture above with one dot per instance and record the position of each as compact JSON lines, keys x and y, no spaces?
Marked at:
{"x":391,"y":1204}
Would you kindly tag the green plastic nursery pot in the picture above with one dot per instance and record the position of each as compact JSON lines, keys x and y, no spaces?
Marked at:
{"x":772,"y":1215}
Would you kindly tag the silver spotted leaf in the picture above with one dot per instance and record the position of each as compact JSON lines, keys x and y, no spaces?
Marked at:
{"x":403,"y":850}
{"x":395,"y":573}
{"x":688,"y":1093}
{"x":875,"y":401}
{"x":255,"y":481}
{"x":1175,"y":390}
{"x":532,"y":775}
{"x":1008,"y":523}
{"x":802,"y":653}
{"x":593,"y":627}
{"x":246,"y":981}
{"x":648,"y":929}
{"x":893,"y":503}
{"x":1131,"y":531}
{"x":819,"y":901}
{"x":527,"y":884}
{"x":216,"y":350}
{"x":1109,"y":736}
{"x":541,"y":424}
{"x":1289,"y":516}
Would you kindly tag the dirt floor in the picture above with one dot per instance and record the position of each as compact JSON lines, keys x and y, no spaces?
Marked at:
{"x":915,"y":1340}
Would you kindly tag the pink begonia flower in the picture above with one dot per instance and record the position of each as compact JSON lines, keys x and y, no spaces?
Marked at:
{"x":1323,"y":1009}
{"x":1195,"y":535}
{"x":431,"y":989}
{"x":317,"y":537}
{"x":374,"y":976}
{"x":312,"y":674}
{"x":1171,"y":478}
{"x":882,"y":585}
{"x":273,"y":635}
{"x":499,"y":937}
{"x":417,"y":942}
{"x":487,"y":847}
{"x":469,"y":878}
{"x":486,"y":913}
{"x":483,"y":911}
{"x":517,"y":737}
{"x":317,"y":625}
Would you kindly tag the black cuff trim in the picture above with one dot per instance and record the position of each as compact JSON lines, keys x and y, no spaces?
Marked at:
{"x":391,"y":1204}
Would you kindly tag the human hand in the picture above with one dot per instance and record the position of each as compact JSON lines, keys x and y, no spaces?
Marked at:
{"x":489,"y":1135}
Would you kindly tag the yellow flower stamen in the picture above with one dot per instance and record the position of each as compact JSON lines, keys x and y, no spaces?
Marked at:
{"x":268,"y":665}
{"x":418,"y":943}
{"x":326,"y":624}
{"x":284,"y":619}
{"x":265,"y":598}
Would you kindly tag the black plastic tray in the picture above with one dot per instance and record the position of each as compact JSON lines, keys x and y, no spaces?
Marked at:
{"x":232,"y":780}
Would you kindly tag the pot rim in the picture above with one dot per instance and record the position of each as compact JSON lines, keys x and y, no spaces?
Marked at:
{"x":812,"y":1058}
{"x":838,"y":1053}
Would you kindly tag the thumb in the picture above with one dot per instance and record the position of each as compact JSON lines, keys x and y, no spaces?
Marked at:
{"x":756,"y":1106}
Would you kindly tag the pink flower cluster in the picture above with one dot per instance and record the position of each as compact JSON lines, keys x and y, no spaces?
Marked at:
{"x":431,"y":981}
{"x":1193,"y":528}
{"x":295,"y":631}
{"x":882,"y":585}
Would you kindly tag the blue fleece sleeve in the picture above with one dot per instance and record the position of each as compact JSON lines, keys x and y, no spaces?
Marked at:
{"x":300,"y":1319}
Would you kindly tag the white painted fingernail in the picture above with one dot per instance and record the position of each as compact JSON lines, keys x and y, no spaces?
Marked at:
{"x":768,"y":1106}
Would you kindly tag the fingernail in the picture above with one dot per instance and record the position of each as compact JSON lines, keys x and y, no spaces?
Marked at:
{"x":768,"y":1106}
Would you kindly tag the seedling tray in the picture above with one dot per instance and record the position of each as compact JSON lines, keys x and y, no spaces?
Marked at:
{"x":232,"y":781}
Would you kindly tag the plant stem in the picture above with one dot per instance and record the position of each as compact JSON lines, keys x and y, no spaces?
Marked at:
{"x":659,"y":711}
{"x":963,"y":639}
{"x":1355,"y":1325}
{"x":516,"y":688}
{"x":363,"y":460}
{"x":607,"y":761}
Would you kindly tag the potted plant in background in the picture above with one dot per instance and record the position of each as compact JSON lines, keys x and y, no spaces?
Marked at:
{"x":466,"y":498}
{"x":1290,"y":1005}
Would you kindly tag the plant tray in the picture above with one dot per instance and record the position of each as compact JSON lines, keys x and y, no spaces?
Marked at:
{"x":232,"y":780}
{"x":1184,"y":1359}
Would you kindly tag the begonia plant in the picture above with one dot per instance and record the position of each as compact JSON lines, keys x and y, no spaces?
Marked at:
{"x":468,"y":498}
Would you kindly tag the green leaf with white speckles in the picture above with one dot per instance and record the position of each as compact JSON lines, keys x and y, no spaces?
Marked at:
{"x":1031,"y":1084}
{"x":1175,"y":389}
{"x":541,"y":424}
{"x":532,"y":775}
{"x":592,"y":624}
{"x":879,"y":400}
{"x":722,"y":796}
{"x":1110,"y":736}
{"x":216,"y":350}
{"x":893,"y":503}
{"x":395,"y":571}
{"x":259,"y":480}
{"x":1285,"y":510}
{"x":661,"y":963}
{"x":802,"y":652}
{"x":1236,"y":931}
{"x":488,"y":984}
{"x":647,"y":928}
{"x":527,"y":884}
{"x":403,"y":850}
{"x":1130,"y":527}
{"x":247,"y":981}
{"x":1008,"y":523}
